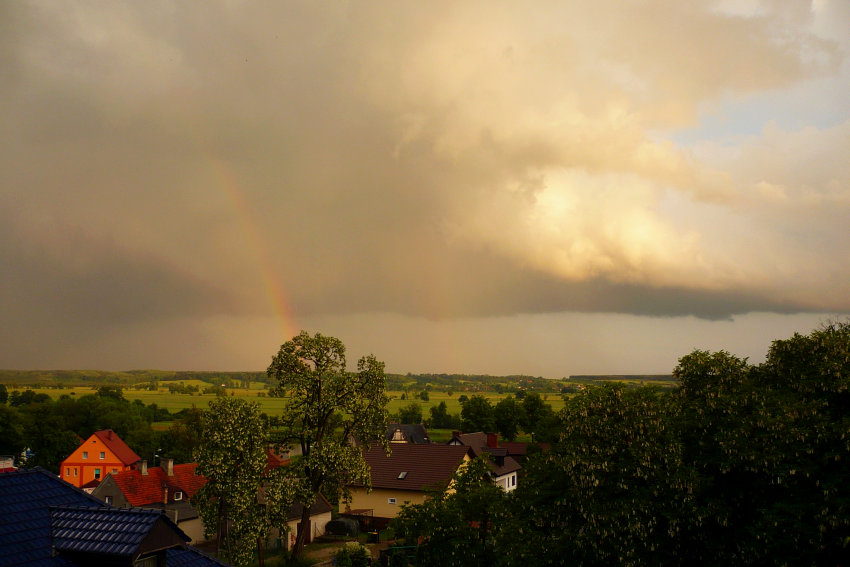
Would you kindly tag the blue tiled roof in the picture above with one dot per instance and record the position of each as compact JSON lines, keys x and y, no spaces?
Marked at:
{"x":25,"y":500}
{"x":112,"y":531}
{"x":30,"y":500}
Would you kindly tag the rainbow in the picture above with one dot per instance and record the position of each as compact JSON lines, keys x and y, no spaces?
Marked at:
{"x":271,"y":278}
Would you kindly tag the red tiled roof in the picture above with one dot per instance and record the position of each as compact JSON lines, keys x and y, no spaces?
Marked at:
{"x":142,"y":490}
{"x":425,"y":465}
{"x":115,"y":444}
{"x":274,"y":460}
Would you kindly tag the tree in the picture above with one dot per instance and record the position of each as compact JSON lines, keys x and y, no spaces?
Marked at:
{"x":535,"y":411}
{"x":231,"y":455}
{"x":327,"y":407}
{"x":4,"y":394}
{"x":456,"y":527}
{"x":477,"y":415}
{"x":411,"y":413}
{"x":441,"y":419}
{"x":509,"y":415}
{"x":611,"y":486}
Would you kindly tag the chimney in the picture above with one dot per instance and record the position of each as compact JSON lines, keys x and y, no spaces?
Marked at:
{"x":168,"y":466}
{"x":109,"y":434}
{"x":493,"y":440}
{"x":144,"y":467}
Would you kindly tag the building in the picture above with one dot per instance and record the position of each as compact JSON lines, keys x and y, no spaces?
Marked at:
{"x":47,"y":522}
{"x":167,"y":488}
{"x":404,"y":477}
{"x":407,"y":433}
{"x":99,"y":455}
{"x":505,"y":468}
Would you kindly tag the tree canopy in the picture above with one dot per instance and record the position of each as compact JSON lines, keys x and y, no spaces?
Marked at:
{"x":327,"y":407}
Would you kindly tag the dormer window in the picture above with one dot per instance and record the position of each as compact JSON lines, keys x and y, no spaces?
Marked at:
{"x":402,"y":475}
{"x":178,"y":495}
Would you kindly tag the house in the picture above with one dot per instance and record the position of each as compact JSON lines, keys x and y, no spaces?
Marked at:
{"x":167,"y":488}
{"x":504,"y":466}
{"x":102,"y":453}
{"x":50,"y":523}
{"x":7,"y":463}
{"x":407,"y":433}
{"x":404,"y":477}
{"x":320,"y":514}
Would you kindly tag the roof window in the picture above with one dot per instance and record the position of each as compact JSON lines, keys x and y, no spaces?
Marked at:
{"x":402,"y":474}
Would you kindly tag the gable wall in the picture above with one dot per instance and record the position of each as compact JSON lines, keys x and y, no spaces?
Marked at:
{"x":78,"y":470}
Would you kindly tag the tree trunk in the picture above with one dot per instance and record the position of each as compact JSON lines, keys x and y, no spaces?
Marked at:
{"x":303,"y":530}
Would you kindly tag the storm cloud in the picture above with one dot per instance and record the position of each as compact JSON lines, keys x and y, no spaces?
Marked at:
{"x":177,"y":173}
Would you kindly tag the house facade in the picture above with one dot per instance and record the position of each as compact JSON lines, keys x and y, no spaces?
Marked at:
{"x":405,"y":476}
{"x":99,"y":455}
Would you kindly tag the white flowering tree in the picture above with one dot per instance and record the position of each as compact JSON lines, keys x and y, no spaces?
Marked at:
{"x":328,"y":411}
{"x":231,"y":455}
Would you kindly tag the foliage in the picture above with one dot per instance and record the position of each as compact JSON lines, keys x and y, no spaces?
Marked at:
{"x":441,"y":419}
{"x":536,"y":414}
{"x":327,"y":407}
{"x":508,"y":414}
{"x":477,"y":415}
{"x":353,"y":554}
{"x":411,"y":413}
{"x":456,"y":526}
{"x":231,"y":455}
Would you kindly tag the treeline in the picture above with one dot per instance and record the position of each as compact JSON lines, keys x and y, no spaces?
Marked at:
{"x":68,"y":378}
{"x":39,"y":431}
{"x":475,"y":383}
{"x":739,"y":465}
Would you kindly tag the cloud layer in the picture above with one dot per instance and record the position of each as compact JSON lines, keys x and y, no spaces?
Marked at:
{"x":195,"y":162}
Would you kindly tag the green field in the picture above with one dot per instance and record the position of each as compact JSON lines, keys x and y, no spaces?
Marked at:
{"x":273,"y":406}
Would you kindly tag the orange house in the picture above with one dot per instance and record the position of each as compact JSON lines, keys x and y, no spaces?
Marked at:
{"x":102,"y":453}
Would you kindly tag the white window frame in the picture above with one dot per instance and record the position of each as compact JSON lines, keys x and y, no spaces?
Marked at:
{"x":391,"y":501}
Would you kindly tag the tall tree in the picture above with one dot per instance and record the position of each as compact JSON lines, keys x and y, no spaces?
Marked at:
{"x":231,"y":455}
{"x":536,"y":413}
{"x":477,"y":415}
{"x":328,"y":410}
{"x":509,"y":415}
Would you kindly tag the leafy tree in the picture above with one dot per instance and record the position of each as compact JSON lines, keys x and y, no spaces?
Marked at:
{"x":11,"y":431}
{"x":424,"y":396}
{"x":477,"y":415}
{"x":326,"y":407}
{"x":441,"y":419}
{"x":456,"y":526}
{"x":609,"y":492}
{"x":4,"y":394}
{"x":231,"y":455}
{"x":462,"y":399}
{"x":535,"y":411}
{"x":508,"y":415}
{"x":411,"y":413}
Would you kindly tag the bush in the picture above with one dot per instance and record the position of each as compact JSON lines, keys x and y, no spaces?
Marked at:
{"x":353,"y":554}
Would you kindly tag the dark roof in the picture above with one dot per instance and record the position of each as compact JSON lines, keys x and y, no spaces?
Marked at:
{"x":25,"y":499}
{"x":501,"y":462}
{"x":478,"y":439}
{"x":115,"y":444}
{"x":425,"y":465}
{"x":28,"y":499}
{"x":104,"y":530}
{"x":320,"y":506}
{"x":411,"y":432}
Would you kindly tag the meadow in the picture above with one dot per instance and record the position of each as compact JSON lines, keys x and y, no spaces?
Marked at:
{"x":175,"y":402}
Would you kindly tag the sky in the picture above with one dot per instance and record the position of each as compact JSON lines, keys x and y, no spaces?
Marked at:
{"x":539,"y":188}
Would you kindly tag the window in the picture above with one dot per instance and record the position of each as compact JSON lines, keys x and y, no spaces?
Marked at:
{"x":391,"y":500}
{"x":178,"y":495}
{"x":513,"y":480}
{"x":402,"y":474}
{"x":85,"y":454}
{"x":107,"y":499}
{"x":102,"y":455}
{"x":67,"y":471}
{"x":75,"y":471}
{"x":97,"y":474}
